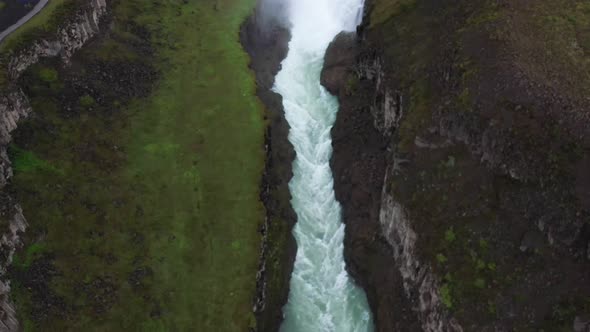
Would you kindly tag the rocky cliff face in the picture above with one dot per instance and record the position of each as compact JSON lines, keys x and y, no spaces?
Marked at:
{"x":266,"y":39}
{"x":14,"y":106}
{"x":460,"y":158}
{"x":359,"y":163}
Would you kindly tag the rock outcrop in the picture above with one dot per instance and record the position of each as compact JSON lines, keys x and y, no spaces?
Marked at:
{"x":71,"y":35}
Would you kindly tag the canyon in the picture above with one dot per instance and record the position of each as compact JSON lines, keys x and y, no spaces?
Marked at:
{"x":460,"y":161}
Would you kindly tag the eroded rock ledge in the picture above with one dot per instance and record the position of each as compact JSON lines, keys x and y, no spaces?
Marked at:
{"x":74,"y":33}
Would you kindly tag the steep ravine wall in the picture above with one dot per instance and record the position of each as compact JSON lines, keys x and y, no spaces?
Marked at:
{"x":265,"y":37}
{"x":380,"y":241}
{"x":460,"y":178}
{"x":14,"y":106}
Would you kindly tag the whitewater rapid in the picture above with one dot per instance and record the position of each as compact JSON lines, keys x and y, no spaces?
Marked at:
{"x":322,"y":296}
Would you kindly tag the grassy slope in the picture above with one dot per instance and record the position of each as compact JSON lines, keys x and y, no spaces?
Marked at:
{"x":149,"y":215}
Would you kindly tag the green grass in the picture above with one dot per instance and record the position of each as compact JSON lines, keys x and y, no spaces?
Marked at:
{"x":164,"y":187}
{"x":26,"y":161}
{"x":2,"y":5}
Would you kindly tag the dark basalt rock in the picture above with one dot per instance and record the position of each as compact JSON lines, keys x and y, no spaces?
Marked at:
{"x":340,"y":56}
{"x":265,"y":38}
{"x":358,"y":164}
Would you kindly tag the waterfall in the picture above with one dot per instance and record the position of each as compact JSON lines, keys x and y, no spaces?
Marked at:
{"x":322,"y":296}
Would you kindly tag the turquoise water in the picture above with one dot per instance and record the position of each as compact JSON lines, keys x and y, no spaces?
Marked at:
{"x":322,"y":296}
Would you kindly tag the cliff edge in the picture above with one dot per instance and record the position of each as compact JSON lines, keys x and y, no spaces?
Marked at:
{"x":70,"y":36}
{"x":265,"y":37}
{"x":461,"y":160}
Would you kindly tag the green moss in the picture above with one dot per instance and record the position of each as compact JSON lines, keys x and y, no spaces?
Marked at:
{"x":483,"y":244}
{"x":417,"y":118}
{"x":86,"y":101}
{"x":48,"y":75}
{"x":464,"y":100}
{"x":480,"y":265}
{"x":446,"y":298}
{"x":479,"y":283}
{"x":471,"y":274}
{"x":450,"y":235}
{"x":32,"y":252}
{"x":441,"y":178}
{"x":351,"y":85}
{"x":492,"y":308}
{"x":441,"y":259}
{"x":469,"y":270}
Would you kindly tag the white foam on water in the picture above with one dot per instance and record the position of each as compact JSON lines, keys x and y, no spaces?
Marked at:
{"x":322,"y":296}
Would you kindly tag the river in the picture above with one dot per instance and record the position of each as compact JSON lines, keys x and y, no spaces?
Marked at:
{"x":322,"y":298}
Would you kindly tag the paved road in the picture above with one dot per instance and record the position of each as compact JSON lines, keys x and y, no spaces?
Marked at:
{"x":40,"y":5}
